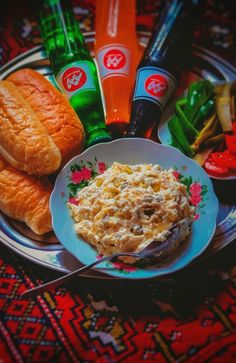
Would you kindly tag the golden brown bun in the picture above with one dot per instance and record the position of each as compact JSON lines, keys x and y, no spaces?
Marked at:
{"x":53,"y":110}
{"x":25,"y":197}
{"x":24,"y":141}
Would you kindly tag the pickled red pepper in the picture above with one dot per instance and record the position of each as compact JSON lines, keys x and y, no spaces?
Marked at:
{"x":223,"y":162}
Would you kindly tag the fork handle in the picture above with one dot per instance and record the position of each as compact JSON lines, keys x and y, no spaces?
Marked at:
{"x":51,"y":285}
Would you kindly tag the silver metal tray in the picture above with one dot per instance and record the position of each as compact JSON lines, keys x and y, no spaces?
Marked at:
{"x":46,"y":250}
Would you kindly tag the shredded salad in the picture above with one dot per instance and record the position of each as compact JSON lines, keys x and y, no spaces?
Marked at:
{"x":129,"y":206}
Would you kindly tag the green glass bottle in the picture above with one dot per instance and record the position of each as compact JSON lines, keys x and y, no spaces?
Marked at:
{"x":73,"y":66}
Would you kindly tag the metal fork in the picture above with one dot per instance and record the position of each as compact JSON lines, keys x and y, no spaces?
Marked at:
{"x":154,"y":249}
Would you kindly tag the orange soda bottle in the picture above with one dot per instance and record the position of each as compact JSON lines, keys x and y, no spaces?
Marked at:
{"x":116,"y":51}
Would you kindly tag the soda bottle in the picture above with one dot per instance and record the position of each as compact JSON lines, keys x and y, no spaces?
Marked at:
{"x":159,"y":69}
{"x":116,"y":50}
{"x":73,"y":66}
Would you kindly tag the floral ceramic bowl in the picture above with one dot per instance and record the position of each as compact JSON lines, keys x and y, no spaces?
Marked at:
{"x":93,"y":161}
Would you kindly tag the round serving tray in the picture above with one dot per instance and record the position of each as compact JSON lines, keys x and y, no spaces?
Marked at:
{"x":46,"y":250}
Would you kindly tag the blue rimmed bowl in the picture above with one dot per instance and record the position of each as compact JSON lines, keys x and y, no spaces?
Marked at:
{"x":82,"y":168}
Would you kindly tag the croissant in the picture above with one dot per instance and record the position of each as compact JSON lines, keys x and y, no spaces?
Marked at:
{"x":25,"y":198}
{"x":53,"y":110}
{"x":24,"y":141}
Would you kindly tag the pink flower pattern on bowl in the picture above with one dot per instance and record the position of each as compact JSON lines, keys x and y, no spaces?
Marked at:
{"x":197,"y":192}
{"x":123,"y":267}
{"x":101,"y":167}
{"x":80,"y":175}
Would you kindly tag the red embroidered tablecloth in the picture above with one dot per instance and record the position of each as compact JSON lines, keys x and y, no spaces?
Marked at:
{"x":190,"y":318}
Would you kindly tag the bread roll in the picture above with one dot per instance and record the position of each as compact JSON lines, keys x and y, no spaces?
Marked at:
{"x":53,"y":110}
{"x":25,"y":198}
{"x":24,"y":141}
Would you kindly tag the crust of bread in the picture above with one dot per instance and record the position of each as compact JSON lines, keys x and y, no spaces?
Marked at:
{"x":24,"y":141}
{"x":53,"y":110}
{"x":25,"y":198}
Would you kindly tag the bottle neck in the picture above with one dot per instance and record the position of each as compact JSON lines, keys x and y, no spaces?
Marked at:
{"x":164,"y":30}
{"x":60,"y":31}
{"x":111,"y":25}
{"x":173,"y":31}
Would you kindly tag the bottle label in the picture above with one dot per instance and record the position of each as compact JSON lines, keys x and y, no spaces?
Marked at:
{"x":113,"y":60}
{"x":75,"y":78}
{"x":155,"y":85}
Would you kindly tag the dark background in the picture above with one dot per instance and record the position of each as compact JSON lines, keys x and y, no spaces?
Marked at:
{"x":19,"y":29}
{"x":191,"y":318}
